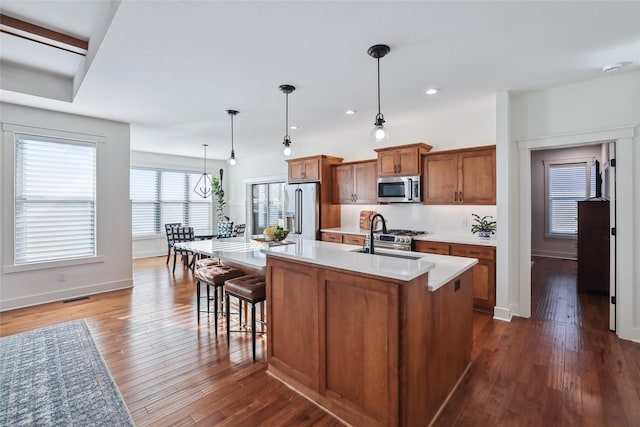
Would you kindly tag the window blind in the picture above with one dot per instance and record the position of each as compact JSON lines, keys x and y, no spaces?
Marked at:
{"x":55,"y":192}
{"x":267,"y":205}
{"x":567,"y":184}
{"x":160,"y":196}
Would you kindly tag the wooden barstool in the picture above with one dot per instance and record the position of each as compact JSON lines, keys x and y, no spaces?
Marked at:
{"x":251,"y":289}
{"x":214,"y":275}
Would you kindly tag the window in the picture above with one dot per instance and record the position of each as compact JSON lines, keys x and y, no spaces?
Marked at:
{"x":55,"y":199}
{"x":267,"y":205}
{"x":567,"y":183}
{"x":160,"y":196}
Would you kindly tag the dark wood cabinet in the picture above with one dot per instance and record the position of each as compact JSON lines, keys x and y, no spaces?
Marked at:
{"x":403,"y":160}
{"x":466,"y":176}
{"x":484,"y":272}
{"x":593,"y":246}
{"x":355,"y":183}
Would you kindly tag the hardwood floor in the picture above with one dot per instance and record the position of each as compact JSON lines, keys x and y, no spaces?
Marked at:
{"x":561,"y":367}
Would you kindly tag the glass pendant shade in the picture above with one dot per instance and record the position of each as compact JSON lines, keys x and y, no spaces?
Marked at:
{"x":232,"y":159}
{"x":203,"y":187}
{"x":287,"y":151}
{"x":379,"y":133}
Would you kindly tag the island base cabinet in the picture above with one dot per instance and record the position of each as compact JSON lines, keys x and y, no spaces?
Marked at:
{"x":370,"y":350}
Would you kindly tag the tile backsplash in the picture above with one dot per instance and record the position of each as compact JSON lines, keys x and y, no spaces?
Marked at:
{"x":430,"y":218}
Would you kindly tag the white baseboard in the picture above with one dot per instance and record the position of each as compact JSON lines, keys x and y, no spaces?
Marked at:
{"x":554,"y":254}
{"x":150,"y":254}
{"x":636,"y":335}
{"x":500,"y":313}
{"x":65,"y":294}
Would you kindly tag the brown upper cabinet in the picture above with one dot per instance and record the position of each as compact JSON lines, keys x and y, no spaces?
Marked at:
{"x":466,"y":176}
{"x":402,"y":160}
{"x":355,"y":183}
{"x":311,"y":169}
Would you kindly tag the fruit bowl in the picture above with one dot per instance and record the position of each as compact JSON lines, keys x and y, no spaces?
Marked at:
{"x":275,"y":233}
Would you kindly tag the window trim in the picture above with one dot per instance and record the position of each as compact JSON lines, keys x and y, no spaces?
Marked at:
{"x":587,"y":161}
{"x":10,"y":131}
{"x":247,"y":194}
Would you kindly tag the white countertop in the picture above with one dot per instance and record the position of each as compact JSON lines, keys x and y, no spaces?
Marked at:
{"x":465,"y":239}
{"x":441,"y":268}
{"x":462,"y":238}
{"x":239,"y":250}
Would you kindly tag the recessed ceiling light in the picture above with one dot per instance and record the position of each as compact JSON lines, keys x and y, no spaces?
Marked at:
{"x":294,"y":127}
{"x":350,"y":112}
{"x":432,"y":91}
{"x":611,"y":67}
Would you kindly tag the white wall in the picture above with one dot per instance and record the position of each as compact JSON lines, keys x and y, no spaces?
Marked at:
{"x":156,"y":245}
{"x":25,"y":288}
{"x":571,"y":115}
{"x":558,"y":247}
{"x":468,"y":125}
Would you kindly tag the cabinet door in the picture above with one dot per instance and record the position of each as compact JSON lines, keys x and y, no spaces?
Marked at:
{"x":358,"y":357}
{"x":484,"y":274}
{"x":352,"y":239}
{"x":387,"y":163}
{"x":484,"y":285}
{"x":294,"y":299}
{"x":477,"y":177}
{"x":408,"y":161}
{"x":307,"y":170}
{"x":432,"y":247}
{"x":343,"y":184}
{"x":365,"y":183}
{"x":331,"y":237}
{"x":440,"y":179}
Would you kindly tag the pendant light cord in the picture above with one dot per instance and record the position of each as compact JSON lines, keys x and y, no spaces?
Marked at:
{"x":204,"y":168}
{"x":231,"y":133}
{"x":286,"y":120}
{"x":378,"y":86}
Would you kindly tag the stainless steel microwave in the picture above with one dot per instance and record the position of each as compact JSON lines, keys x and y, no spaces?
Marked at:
{"x":399,"y":189}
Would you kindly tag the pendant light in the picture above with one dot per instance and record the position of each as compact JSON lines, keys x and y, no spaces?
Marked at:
{"x":203,"y":187}
{"x":287,"y":151}
{"x":232,"y":159}
{"x":379,"y":133}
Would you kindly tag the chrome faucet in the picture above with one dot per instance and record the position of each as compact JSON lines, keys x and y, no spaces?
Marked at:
{"x":384,"y":230}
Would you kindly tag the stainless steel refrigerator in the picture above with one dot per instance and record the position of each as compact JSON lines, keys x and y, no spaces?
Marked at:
{"x":302,"y":209}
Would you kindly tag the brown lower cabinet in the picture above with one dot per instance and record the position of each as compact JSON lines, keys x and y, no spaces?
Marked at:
{"x":349,"y":239}
{"x":373,"y":351}
{"x":484,"y":272}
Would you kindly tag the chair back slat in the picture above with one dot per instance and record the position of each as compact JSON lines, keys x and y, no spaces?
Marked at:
{"x":238,"y":230}
{"x":182,"y":234}
{"x":167,"y":228}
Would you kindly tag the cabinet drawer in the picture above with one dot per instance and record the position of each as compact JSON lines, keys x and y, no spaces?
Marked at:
{"x":473,"y":251}
{"x":432,"y":247}
{"x":352,"y":239}
{"x":331,"y":237}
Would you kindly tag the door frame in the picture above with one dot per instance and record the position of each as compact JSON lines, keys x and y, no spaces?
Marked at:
{"x":623,"y":267}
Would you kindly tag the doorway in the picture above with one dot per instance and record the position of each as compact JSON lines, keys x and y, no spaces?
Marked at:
{"x":565,"y":260}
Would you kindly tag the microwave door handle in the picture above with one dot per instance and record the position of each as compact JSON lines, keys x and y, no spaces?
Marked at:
{"x":408,"y":189}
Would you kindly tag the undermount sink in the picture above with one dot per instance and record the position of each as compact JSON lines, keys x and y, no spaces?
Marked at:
{"x":366,"y":251}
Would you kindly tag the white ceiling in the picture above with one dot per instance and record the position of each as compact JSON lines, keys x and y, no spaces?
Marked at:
{"x":172,"y":68}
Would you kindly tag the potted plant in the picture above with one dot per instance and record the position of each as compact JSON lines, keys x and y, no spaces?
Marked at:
{"x":216,"y":185}
{"x":484,"y":226}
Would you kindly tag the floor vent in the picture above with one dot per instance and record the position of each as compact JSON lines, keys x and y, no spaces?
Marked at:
{"x":74,"y":299}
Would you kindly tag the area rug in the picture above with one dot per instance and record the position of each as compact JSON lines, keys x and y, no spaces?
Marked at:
{"x":55,"y":376}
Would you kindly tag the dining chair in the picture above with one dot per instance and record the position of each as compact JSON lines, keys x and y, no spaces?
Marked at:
{"x":225,"y":229}
{"x":181,"y":234}
{"x":167,"y":229}
{"x":238,"y":230}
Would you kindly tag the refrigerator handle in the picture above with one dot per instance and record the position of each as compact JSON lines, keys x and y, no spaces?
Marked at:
{"x":298,"y":210}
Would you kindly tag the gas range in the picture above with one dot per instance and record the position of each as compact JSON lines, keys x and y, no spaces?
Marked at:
{"x":395,"y":239}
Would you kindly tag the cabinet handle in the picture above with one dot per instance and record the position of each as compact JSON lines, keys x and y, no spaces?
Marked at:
{"x":473,"y":253}
{"x":302,"y":174}
{"x":461,"y":196}
{"x":455,"y":196}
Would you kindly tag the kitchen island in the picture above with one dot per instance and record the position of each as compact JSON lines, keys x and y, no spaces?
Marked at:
{"x":373,"y":339}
